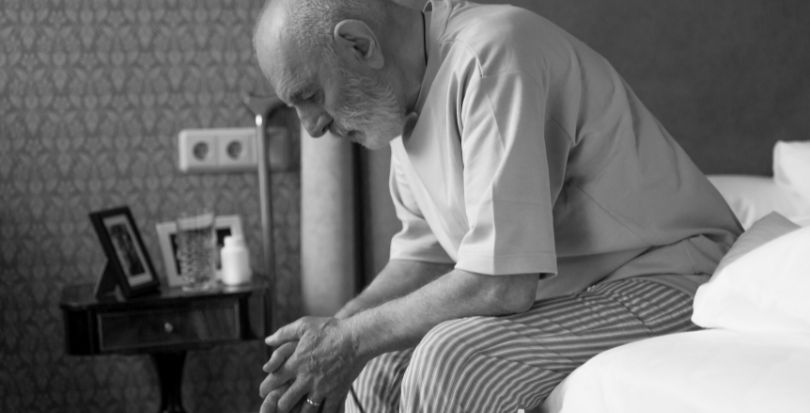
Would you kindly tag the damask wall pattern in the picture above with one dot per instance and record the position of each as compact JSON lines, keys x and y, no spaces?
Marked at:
{"x":92,"y":96}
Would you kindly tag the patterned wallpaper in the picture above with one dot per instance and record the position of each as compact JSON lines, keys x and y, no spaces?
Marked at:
{"x":92,"y":96}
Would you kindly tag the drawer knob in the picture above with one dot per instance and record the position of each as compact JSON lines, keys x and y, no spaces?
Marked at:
{"x":168,"y":327}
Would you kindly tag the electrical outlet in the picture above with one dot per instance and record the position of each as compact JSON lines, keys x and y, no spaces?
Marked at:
{"x":236,"y":149}
{"x":197,"y":151}
{"x":217,"y":150}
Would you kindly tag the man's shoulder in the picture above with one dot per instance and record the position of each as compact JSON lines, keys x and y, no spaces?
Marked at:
{"x":480,"y":24}
{"x":499,"y":37}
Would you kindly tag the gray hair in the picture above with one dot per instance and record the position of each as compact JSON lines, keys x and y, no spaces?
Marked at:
{"x":311,"y":22}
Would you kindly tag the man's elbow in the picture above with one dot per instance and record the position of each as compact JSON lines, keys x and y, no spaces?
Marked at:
{"x":512,"y":293}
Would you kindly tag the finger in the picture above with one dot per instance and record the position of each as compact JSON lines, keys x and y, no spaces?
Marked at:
{"x":279,"y":356}
{"x":317,"y":405}
{"x":270,"y":403}
{"x":274,"y":381}
{"x":285,"y":333}
{"x":333,"y":404}
{"x":297,"y":391}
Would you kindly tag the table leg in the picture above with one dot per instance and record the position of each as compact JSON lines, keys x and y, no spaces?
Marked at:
{"x":169,"y":368}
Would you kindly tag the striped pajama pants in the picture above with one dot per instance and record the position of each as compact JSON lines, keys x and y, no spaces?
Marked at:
{"x":501,"y":364}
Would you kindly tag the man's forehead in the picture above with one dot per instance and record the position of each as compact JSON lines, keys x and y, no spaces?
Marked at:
{"x":287,"y":62}
{"x":291,"y":85}
{"x":292,"y":76}
{"x":276,"y":51}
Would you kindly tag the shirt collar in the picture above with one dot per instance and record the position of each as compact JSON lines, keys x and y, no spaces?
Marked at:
{"x":436,"y":13}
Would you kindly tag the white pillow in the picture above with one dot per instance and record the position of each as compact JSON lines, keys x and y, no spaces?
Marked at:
{"x":791,"y":166}
{"x":762,"y":284}
{"x":752,"y":197}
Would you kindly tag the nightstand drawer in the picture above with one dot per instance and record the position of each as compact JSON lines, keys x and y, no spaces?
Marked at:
{"x":215,"y":321}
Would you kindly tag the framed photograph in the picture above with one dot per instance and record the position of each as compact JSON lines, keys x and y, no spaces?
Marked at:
{"x":127,"y":259}
{"x":224,"y":226}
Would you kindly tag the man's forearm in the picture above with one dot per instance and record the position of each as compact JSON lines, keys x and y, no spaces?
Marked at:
{"x":401,"y":322}
{"x":398,"y":278}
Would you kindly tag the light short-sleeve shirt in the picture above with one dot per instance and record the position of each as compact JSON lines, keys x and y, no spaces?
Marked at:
{"x":530,"y":154}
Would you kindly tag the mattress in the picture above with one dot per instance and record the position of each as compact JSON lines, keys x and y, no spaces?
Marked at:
{"x":712,"y":371}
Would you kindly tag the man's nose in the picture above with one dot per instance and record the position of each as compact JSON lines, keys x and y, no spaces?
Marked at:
{"x":316,"y":123}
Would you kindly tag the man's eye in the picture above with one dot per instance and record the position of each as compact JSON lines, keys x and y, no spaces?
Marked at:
{"x":310,"y":96}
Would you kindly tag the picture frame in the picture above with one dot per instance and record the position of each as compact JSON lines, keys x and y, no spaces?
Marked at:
{"x":129,"y":267}
{"x":224,"y":225}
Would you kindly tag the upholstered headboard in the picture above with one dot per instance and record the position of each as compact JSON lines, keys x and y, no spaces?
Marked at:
{"x":726,"y":77}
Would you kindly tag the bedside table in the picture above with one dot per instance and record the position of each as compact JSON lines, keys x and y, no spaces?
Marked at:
{"x":165,"y":326}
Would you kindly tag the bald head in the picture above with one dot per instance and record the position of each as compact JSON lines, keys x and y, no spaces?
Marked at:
{"x":313,"y":21}
{"x":309,"y":25}
{"x":317,"y":54}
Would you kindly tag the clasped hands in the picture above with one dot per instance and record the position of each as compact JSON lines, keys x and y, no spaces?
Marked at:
{"x":313,"y":366}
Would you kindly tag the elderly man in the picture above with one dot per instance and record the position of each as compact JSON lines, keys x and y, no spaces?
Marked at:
{"x":546,"y":214}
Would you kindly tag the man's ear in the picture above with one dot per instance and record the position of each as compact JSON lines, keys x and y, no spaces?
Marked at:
{"x":357,"y":42}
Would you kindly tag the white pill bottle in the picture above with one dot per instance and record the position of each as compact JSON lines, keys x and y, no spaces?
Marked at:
{"x":235,"y":261}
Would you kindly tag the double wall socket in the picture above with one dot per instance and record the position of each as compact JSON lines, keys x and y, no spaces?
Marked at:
{"x":217,"y":150}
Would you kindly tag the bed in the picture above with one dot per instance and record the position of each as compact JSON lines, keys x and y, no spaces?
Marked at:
{"x":711,"y":371}
{"x":754,"y":353}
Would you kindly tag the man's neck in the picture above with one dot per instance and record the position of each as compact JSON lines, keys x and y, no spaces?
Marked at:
{"x":408,"y":38}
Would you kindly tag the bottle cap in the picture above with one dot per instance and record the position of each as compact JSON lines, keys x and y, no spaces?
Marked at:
{"x":234,"y":240}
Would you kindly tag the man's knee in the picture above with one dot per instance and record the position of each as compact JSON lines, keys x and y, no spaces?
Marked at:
{"x":438,"y":360}
{"x":475,"y":364}
{"x":378,"y":385}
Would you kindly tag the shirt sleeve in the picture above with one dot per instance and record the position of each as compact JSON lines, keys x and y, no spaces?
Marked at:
{"x":415,"y":241}
{"x":508,"y":184}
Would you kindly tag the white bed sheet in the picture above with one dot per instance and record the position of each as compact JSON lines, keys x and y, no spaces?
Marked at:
{"x":711,"y":371}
